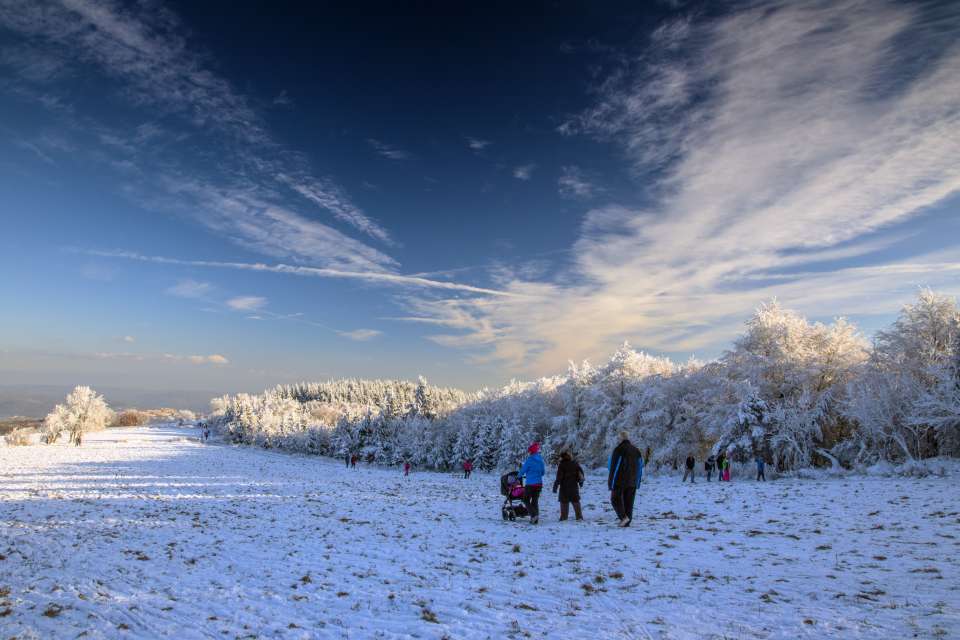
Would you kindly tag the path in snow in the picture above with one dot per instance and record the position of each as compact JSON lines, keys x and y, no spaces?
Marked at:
{"x":147,"y":533}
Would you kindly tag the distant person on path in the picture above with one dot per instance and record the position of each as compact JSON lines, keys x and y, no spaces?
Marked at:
{"x":720,"y":459}
{"x":623,"y":478}
{"x":206,"y":433}
{"x":532,"y":472}
{"x":406,"y":469}
{"x":708,"y":466}
{"x":689,"y":469}
{"x":467,"y":468}
{"x":726,"y":469}
{"x":569,"y":480}
{"x":760,"y":465}
{"x":353,"y":461}
{"x":346,"y":460}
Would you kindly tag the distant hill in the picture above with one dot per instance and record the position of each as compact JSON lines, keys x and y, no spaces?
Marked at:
{"x":36,"y":401}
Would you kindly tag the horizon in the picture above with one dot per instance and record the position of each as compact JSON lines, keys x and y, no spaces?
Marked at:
{"x":192,"y":203}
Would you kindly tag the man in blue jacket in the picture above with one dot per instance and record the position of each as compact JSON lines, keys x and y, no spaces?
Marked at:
{"x":532,"y":472}
{"x":623,"y":478}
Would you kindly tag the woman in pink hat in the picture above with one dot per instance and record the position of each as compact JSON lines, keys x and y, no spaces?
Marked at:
{"x":532,"y":472}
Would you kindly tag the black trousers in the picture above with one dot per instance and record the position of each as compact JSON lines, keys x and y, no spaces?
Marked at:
{"x":622,"y":500}
{"x":760,"y":475}
{"x":565,"y":510}
{"x":531,"y":498}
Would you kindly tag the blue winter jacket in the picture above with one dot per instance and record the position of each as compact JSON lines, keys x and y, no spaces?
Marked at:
{"x":533,"y":469}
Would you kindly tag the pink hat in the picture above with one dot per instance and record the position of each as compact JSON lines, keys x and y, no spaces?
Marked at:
{"x":534,"y":448}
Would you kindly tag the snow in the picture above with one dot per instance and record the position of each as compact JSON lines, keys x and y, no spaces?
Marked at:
{"x":146,"y":532}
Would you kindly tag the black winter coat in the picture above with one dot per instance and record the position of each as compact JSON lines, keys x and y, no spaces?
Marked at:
{"x":624,"y":467}
{"x":569,"y":480}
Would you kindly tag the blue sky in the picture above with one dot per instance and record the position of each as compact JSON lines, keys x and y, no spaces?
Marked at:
{"x":205,"y":195}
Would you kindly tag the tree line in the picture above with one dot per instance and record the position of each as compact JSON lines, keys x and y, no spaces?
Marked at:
{"x":796,"y":393}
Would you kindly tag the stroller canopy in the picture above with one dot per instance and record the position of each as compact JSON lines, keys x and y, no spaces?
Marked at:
{"x":507,"y":480}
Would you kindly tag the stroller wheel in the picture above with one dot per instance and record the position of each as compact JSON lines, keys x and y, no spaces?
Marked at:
{"x":512,"y":517}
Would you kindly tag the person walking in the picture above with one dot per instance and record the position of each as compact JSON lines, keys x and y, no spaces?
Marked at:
{"x":623,"y":478}
{"x":346,"y":460}
{"x":708,"y":466}
{"x":406,"y":468}
{"x":353,"y":461}
{"x":726,"y":469}
{"x":689,"y":469}
{"x":568,"y":481}
{"x":532,"y":472}
{"x":467,"y":468}
{"x":720,"y":458}
{"x":760,"y":466}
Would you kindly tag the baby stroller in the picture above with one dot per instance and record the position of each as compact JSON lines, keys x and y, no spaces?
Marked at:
{"x":511,"y":488}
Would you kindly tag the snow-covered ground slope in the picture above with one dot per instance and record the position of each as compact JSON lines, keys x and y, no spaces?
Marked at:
{"x":147,"y":533}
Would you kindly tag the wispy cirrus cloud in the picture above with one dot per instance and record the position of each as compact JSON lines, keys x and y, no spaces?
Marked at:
{"x":773,"y":139}
{"x":141,"y":49}
{"x":327,"y":195}
{"x":388,"y":151}
{"x":253,"y":218}
{"x":373,"y":277}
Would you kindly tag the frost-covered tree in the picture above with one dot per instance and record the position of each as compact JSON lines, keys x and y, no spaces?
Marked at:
{"x":890,"y":399}
{"x":799,"y":370}
{"x":83,"y":411}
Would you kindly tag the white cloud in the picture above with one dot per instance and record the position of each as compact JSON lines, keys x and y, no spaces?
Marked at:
{"x":190,"y":289}
{"x":283,"y":99}
{"x":215,"y":358}
{"x":774,"y":139}
{"x":129,"y":339}
{"x":246,"y":303}
{"x":477,"y":144}
{"x":388,"y":151}
{"x":524,"y":172}
{"x":572,"y":183}
{"x":361,"y":335}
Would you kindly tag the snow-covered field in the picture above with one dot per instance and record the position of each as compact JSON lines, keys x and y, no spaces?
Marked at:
{"x":147,"y":533}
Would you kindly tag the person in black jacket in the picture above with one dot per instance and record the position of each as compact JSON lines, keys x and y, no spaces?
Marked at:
{"x":690,"y":469}
{"x":569,"y":480}
{"x":623,"y":478}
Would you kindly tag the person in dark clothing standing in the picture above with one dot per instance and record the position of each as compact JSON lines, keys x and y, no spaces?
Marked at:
{"x":689,"y":470}
{"x":623,"y":478}
{"x":720,"y":458}
{"x":760,"y":466}
{"x":708,"y":466}
{"x":569,"y":480}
